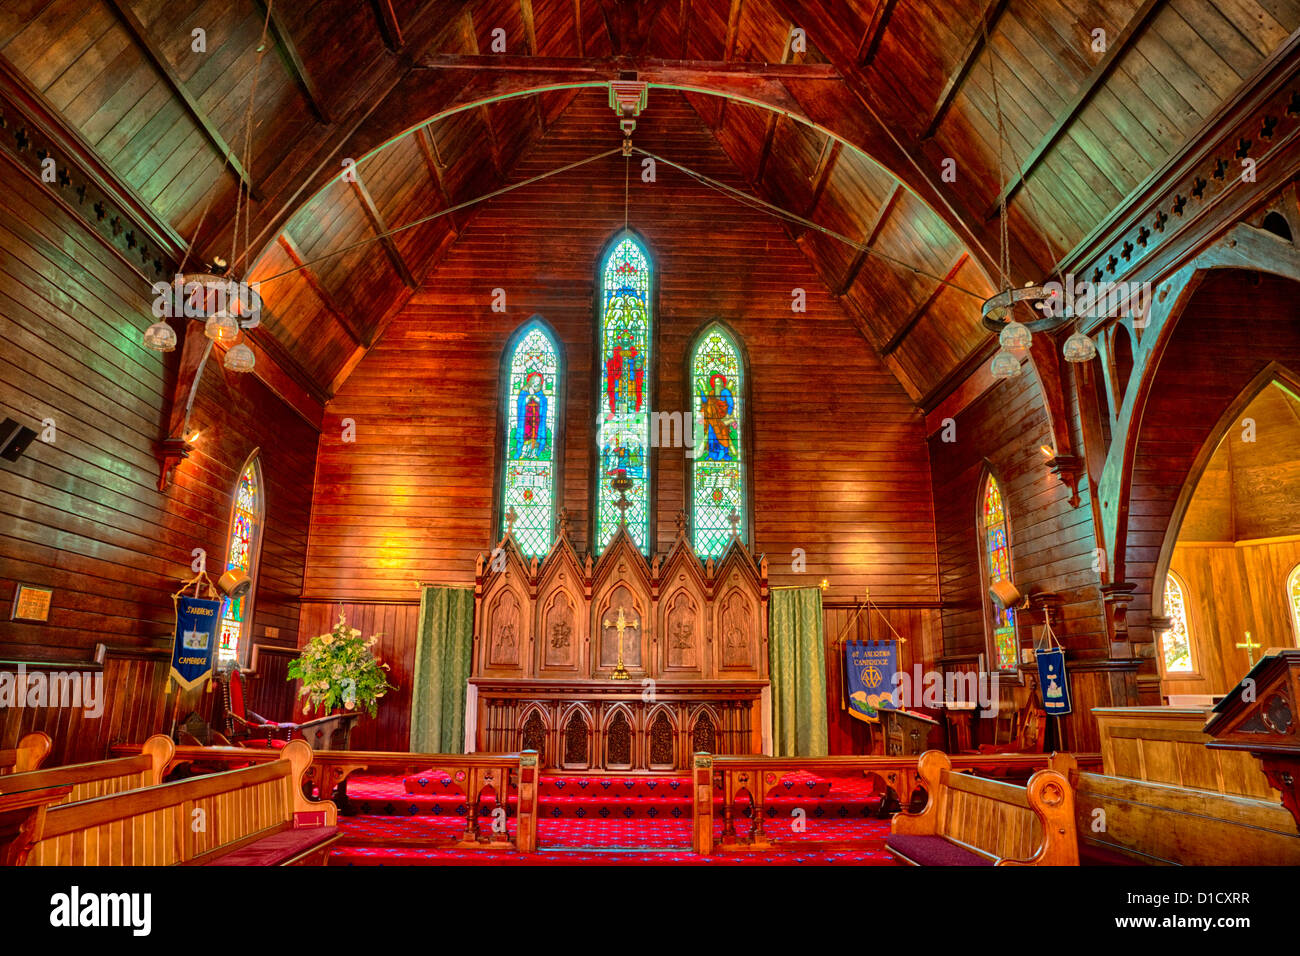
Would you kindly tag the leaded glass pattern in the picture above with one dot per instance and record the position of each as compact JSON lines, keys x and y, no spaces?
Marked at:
{"x":717,"y":485}
{"x":1176,"y":645}
{"x":999,"y":558}
{"x":528,"y":482}
{"x":244,"y":528}
{"x":623,"y":415}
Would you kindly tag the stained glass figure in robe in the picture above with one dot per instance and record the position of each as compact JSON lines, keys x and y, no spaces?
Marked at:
{"x":244,"y":527}
{"x":528,"y":484}
{"x":623,"y":416}
{"x":718,"y":497}
{"x":999,"y":558}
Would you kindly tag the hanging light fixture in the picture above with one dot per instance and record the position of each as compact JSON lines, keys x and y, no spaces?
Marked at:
{"x":222,"y":328}
{"x":240,"y":359}
{"x":1015,"y":338}
{"x":1005,"y":365}
{"x":160,"y":337}
{"x":1079,"y":348}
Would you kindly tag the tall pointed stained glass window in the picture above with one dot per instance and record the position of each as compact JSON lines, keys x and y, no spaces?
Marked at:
{"x":998,"y":553}
{"x":623,"y":398}
{"x":531,"y":405}
{"x":1176,"y":643}
{"x":717,"y":471}
{"x":241,"y":555}
{"x":1293,"y":601}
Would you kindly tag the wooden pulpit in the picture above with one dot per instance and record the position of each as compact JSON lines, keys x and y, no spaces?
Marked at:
{"x":1259,"y":716}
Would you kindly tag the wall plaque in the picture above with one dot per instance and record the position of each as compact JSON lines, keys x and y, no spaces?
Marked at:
{"x":31,"y":603}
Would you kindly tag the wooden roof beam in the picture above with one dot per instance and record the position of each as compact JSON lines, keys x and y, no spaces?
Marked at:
{"x":530,"y":42}
{"x":821,"y":176}
{"x":141,"y":37}
{"x":903,"y":330}
{"x":882,"y":214}
{"x":657,"y":70}
{"x":381,"y":230}
{"x":1118,"y":46}
{"x":577,"y":26}
{"x":326,"y":297}
{"x":988,"y":23}
{"x":471,"y":41}
{"x":292,"y":61}
{"x":436,"y":167}
{"x":875,"y":32}
{"x":389,"y":28}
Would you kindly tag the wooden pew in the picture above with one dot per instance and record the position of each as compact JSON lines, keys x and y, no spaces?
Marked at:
{"x":972,"y":821}
{"x":27,"y":756}
{"x":100,"y":778}
{"x":473,"y":773}
{"x":256,"y":816}
{"x":1121,"y":820}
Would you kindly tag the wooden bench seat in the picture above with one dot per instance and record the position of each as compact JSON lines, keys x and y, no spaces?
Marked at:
{"x":30,"y":753}
{"x":100,"y":778}
{"x":1127,"y":821}
{"x":257,"y":816}
{"x":971,"y":821}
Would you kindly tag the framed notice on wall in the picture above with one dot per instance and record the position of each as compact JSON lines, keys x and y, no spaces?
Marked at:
{"x":31,"y":603}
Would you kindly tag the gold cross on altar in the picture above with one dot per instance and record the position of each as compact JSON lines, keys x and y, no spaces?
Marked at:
{"x":1250,"y":649}
{"x":623,"y":624}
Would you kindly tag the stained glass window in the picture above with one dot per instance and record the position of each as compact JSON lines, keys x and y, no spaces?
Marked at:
{"x":998,"y":551}
{"x":1293,"y":598}
{"x":245,"y":529}
{"x":530,"y":400}
{"x":717,"y":487}
{"x":623,"y":400}
{"x":1176,"y":645}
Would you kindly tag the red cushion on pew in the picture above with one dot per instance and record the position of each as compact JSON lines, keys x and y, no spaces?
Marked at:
{"x":276,"y":848}
{"x":264,"y":743}
{"x":934,"y":851}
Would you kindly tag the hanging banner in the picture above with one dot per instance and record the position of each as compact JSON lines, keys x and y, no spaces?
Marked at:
{"x":194,"y":643}
{"x":1053,"y":681}
{"x":870,"y":667}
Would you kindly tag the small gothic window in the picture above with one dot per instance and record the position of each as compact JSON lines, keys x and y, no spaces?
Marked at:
{"x":1176,"y":645}
{"x":528,"y":465}
{"x":241,"y":555}
{"x":717,"y":477}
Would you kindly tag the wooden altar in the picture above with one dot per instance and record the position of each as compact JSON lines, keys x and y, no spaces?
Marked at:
{"x":553,"y":640}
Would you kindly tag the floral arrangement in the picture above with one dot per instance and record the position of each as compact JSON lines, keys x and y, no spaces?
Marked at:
{"x":339,"y":669}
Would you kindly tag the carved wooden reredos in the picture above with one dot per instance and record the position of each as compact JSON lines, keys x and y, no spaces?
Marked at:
{"x":688,"y":620}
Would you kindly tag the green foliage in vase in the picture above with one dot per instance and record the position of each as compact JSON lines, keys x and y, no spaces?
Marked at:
{"x":338,"y":669}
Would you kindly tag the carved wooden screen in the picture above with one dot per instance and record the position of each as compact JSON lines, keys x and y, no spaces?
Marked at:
{"x":618,"y":741}
{"x":577,"y":741}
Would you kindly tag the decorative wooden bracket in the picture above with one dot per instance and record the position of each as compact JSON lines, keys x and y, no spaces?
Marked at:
{"x":173,"y":449}
{"x":1069,"y":468}
{"x":1117,"y":597}
{"x":1045,"y":357}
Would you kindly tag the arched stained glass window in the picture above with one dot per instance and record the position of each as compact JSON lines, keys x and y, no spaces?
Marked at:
{"x":1176,"y":644}
{"x":623,"y":398}
{"x":1293,"y":599}
{"x":717,"y":472}
{"x":998,"y":552}
{"x":531,"y":405}
{"x":241,"y":555}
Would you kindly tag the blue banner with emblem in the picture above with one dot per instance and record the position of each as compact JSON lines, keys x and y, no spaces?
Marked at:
{"x":1053,"y":681}
{"x":194,"y":644}
{"x":869,"y":667}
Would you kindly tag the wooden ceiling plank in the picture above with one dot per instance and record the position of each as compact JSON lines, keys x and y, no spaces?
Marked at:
{"x":177,"y":86}
{"x":293,"y":62}
{"x":992,"y":13}
{"x":389,"y":27}
{"x":326,"y":297}
{"x":1133,"y":29}
{"x":381,"y":230}
{"x":903,"y":330}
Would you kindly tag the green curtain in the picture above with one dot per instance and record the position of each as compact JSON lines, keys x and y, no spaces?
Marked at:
{"x":443,"y":649}
{"x":797,"y":655}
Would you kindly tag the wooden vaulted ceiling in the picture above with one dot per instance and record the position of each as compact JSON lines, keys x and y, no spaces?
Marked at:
{"x":906,"y":83}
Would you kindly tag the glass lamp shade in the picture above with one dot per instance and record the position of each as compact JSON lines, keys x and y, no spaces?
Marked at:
{"x":1079,"y":348}
{"x":222,"y":328}
{"x":160,"y":337}
{"x":240,"y":358}
{"x":1015,"y":338}
{"x":1005,"y":365}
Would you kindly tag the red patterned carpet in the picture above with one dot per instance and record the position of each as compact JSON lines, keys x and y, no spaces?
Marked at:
{"x":597,"y":820}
